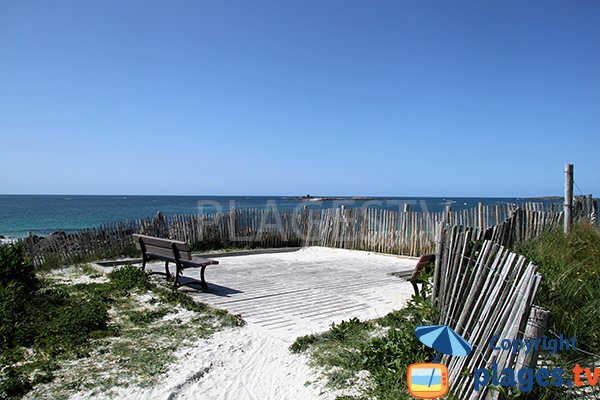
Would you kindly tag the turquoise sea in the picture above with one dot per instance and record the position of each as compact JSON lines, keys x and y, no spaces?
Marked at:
{"x":44,"y":214}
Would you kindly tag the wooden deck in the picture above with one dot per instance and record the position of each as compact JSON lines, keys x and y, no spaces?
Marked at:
{"x":295,"y":293}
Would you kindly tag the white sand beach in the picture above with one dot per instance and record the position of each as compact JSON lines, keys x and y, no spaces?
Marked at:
{"x":236,"y":364}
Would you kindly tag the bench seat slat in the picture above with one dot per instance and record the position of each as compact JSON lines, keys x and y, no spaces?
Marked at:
{"x":198,"y":262}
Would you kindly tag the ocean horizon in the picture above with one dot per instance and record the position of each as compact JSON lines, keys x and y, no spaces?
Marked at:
{"x":21,"y":215}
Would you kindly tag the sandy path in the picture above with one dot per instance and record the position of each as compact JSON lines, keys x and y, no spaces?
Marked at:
{"x":238,"y":364}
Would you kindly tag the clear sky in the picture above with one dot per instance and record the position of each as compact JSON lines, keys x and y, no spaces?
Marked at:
{"x":399,"y":98}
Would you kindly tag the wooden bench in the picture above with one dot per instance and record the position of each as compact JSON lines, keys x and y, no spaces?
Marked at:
{"x":414,"y":276}
{"x":167,"y":250}
{"x":414,"y":279}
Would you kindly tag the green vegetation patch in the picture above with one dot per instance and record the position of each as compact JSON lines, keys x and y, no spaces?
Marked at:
{"x":570,"y":267}
{"x":370,"y":358}
{"x":57,"y":338}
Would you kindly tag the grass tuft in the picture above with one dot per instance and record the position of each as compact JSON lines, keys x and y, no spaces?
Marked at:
{"x":381,"y":350}
{"x":570,"y":266}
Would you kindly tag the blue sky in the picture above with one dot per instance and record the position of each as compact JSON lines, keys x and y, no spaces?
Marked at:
{"x":399,"y":98}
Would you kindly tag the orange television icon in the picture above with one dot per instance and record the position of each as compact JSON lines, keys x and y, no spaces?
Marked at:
{"x":427,"y":380}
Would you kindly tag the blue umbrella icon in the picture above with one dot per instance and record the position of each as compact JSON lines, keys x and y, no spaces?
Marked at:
{"x":444,"y":340}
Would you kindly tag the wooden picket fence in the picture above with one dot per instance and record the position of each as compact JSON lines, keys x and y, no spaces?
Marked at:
{"x":104,"y":241}
{"x":410,"y":233}
{"x":481,"y":289}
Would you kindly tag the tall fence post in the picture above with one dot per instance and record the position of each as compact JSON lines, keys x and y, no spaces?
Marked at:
{"x":480,"y":209}
{"x":448,"y":214}
{"x":439,"y":239}
{"x":535,"y":328}
{"x":568,"y":214}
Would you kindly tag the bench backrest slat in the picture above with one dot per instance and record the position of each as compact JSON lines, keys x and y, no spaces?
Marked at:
{"x":163,"y":247}
{"x":423,"y":262}
{"x":160,"y":251}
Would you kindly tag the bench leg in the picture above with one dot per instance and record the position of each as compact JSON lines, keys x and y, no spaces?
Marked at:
{"x":414,"y":284}
{"x":202,"y":281}
{"x":167,"y":272}
{"x":176,"y":279}
{"x":144,"y":265}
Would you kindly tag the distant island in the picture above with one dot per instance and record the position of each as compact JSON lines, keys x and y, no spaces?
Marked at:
{"x":545,"y":198}
{"x":549,"y":198}
{"x":308,"y":197}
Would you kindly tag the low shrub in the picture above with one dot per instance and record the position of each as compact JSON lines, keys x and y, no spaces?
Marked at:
{"x":128,"y":278}
{"x":15,"y":268}
{"x":60,"y":322}
{"x":51,"y":321}
{"x":145,"y":317}
{"x":338,"y":333}
{"x":17,"y":283}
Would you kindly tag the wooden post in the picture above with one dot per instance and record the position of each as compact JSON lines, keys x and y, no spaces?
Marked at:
{"x":568,"y":197}
{"x":535,"y":328}
{"x":480,"y":212}
{"x":448,"y":214}
{"x":439,"y":240}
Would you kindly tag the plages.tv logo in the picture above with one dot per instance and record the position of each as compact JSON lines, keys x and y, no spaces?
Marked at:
{"x":430,"y":380}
